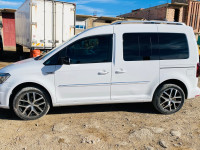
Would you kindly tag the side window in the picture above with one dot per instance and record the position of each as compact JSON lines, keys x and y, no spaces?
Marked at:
{"x":140,"y":46}
{"x":173,"y":46}
{"x":53,"y":60}
{"x":96,"y":49}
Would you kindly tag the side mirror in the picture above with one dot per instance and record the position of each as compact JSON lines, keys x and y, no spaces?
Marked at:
{"x":64,"y":60}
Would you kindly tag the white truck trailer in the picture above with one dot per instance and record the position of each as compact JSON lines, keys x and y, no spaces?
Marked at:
{"x":44,"y":24}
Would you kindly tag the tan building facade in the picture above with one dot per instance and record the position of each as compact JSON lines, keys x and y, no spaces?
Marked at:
{"x":86,"y":22}
{"x":168,"y":12}
{"x":186,"y":11}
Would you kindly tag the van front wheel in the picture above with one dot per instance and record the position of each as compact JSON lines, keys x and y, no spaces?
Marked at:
{"x":31,"y":103}
{"x":169,"y":99}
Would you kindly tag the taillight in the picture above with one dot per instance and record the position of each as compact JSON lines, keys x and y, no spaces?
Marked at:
{"x":198,"y":70}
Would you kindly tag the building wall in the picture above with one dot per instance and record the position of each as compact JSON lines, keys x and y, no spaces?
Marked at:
{"x":78,"y":31}
{"x":193,"y":19}
{"x":162,"y":12}
{"x":94,"y":21}
{"x":171,"y":12}
{"x":9,"y":39}
{"x":153,"y":13}
{"x":1,"y":29}
{"x":96,"y":24}
{"x":8,"y":29}
{"x":179,"y":1}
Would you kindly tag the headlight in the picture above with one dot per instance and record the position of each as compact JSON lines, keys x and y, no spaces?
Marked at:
{"x":4,"y":77}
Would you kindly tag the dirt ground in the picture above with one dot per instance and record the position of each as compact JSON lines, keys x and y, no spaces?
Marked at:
{"x":120,"y":126}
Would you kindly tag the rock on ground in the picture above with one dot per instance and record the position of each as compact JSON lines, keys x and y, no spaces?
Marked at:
{"x":162,"y":144}
{"x":60,"y":127}
{"x":175,"y":133}
{"x":143,"y":134}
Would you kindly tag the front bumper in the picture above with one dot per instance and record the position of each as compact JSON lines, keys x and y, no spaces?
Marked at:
{"x":4,"y":95}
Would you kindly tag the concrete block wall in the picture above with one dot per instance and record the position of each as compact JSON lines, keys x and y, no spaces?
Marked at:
{"x":96,"y":24}
{"x":182,"y":14}
{"x":170,"y":14}
{"x":153,"y":13}
{"x":179,"y":1}
{"x":162,"y":12}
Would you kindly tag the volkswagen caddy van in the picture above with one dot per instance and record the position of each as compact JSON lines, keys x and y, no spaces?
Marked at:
{"x":125,"y":62}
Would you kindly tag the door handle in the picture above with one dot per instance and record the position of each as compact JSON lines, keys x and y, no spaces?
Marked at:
{"x":103,"y":72}
{"x":120,"y":71}
{"x":49,"y":72}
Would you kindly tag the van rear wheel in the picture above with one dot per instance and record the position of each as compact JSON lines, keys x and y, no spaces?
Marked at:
{"x":31,"y":103}
{"x":169,"y":99}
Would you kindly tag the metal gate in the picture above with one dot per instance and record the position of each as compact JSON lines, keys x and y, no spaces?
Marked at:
{"x":193,"y":19}
{"x":8,"y":29}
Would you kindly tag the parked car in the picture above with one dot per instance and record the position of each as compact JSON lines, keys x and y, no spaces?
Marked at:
{"x":121,"y":63}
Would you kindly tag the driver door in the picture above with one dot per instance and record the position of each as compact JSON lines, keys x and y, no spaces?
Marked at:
{"x":87,"y":78}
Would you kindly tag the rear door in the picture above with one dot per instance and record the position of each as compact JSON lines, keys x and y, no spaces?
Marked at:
{"x":135,"y":72}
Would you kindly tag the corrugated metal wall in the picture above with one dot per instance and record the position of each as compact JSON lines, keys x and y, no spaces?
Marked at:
{"x":193,"y":19}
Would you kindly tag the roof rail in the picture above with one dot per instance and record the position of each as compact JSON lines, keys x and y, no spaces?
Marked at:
{"x":147,"y":22}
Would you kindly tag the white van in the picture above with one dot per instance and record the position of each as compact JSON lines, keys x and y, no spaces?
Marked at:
{"x":121,"y":63}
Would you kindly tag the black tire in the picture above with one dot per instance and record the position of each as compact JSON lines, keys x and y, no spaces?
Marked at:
{"x":168,"y":99}
{"x":31,"y":103}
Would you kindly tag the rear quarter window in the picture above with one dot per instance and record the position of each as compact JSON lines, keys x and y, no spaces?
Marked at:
{"x":173,"y":46}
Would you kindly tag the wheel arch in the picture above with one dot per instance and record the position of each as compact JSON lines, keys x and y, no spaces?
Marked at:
{"x":176,"y":82}
{"x":27,"y":84}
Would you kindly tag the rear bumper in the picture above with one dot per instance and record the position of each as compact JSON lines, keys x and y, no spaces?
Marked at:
{"x":194,"y":93}
{"x":197,"y":92}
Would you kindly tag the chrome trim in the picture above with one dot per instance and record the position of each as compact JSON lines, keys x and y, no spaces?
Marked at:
{"x":135,"y":82}
{"x":103,"y":84}
{"x":82,"y":85}
{"x":176,"y":67}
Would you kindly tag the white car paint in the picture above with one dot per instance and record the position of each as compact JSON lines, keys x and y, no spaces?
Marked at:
{"x":115,"y":82}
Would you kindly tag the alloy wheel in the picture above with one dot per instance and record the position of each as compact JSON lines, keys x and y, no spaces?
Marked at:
{"x":171,"y":99}
{"x":31,"y":104}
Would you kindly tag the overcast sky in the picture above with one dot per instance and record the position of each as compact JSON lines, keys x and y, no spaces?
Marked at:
{"x":99,"y":7}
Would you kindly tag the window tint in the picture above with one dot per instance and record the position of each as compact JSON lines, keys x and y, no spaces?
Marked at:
{"x":140,"y":46}
{"x":155,"y":46}
{"x":173,"y":46}
{"x":95,"y":49}
{"x":53,"y":60}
